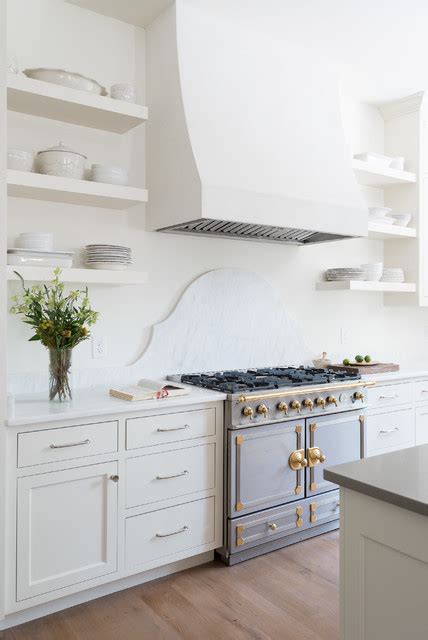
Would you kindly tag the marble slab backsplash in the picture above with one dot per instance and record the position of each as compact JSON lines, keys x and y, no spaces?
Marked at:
{"x":215,"y":325}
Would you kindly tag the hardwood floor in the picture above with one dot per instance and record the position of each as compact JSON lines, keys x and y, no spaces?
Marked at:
{"x":290,"y":594}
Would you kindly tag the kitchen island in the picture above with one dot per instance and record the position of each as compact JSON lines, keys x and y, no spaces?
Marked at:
{"x":384,"y":545}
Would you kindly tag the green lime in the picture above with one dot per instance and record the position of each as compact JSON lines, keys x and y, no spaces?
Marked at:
{"x":346,"y":362}
{"x":368,"y":358}
{"x":359,"y":359}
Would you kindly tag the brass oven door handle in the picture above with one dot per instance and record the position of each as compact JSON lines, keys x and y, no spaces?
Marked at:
{"x":387,"y":431}
{"x":173,"y":533}
{"x":69,"y":444}
{"x":160,"y":430}
{"x":175,"y":475}
{"x":315,"y":456}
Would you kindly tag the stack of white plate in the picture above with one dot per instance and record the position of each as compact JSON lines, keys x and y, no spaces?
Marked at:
{"x":36,"y":240}
{"x":108,"y":256}
{"x":373,"y":271}
{"x":392,"y":274}
{"x":344,"y":273}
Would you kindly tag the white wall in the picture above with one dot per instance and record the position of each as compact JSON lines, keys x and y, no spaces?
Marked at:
{"x":51,"y":33}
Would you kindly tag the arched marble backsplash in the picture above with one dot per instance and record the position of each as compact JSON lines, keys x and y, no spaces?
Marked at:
{"x":218,"y":323}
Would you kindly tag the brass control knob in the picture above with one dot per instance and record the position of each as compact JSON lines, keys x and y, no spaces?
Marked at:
{"x":315,"y":456}
{"x":262,"y":409}
{"x":297,"y":460}
{"x":272,"y":526}
{"x":359,"y":395}
{"x":332,"y":400}
{"x":308,"y":404}
{"x":282,"y":406}
{"x":320,"y":402}
{"x":248,"y":412}
{"x":295,"y":405}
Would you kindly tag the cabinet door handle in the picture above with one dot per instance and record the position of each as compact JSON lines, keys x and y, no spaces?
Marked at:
{"x":186,"y":426}
{"x":394,"y":430}
{"x":175,"y":475}
{"x":424,"y":390}
{"x":69,"y":444}
{"x":389,"y":397}
{"x":115,"y":478}
{"x":173,"y":533}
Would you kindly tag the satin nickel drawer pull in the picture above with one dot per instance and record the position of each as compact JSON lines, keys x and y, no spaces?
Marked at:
{"x":173,"y":533}
{"x":394,"y":430}
{"x":186,"y":426}
{"x":424,"y":390}
{"x":69,"y":444}
{"x":389,"y":397}
{"x":175,"y":475}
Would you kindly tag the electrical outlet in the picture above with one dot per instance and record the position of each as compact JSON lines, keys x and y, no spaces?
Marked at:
{"x":345,"y":335}
{"x":98,"y":347}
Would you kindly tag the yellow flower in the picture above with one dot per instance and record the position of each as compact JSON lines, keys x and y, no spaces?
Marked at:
{"x":84,"y":331}
{"x":66,"y":333}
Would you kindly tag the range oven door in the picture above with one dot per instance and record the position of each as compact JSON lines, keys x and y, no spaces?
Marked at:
{"x":260,"y":475}
{"x":338,"y":437}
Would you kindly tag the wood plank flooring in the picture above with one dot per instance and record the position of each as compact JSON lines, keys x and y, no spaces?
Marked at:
{"x":290,"y":594}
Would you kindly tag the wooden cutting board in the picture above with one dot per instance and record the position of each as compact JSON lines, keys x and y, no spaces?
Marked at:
{"x":368,"y":368}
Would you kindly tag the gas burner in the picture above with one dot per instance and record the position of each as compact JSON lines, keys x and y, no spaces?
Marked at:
{"x":266,"y":379}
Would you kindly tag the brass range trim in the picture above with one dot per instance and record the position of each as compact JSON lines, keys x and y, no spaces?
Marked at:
{"x":301,"y":391}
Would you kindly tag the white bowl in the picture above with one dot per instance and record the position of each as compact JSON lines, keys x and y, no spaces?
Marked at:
{"x":397,"y":163}
{"x":66,"y":79}
{"x":109,"y":174}
{"x":401,"y":219}
{"x":374,"y":158}
{"x":61,"y":161}
{"x":378,"y":212}
{"x":123,"y":91}
{"x":19,"y":160}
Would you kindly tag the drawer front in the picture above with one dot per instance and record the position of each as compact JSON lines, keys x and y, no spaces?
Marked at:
{"x":324,"y":508}
{"x":173,"y":427}
{"x":250,"y":531}
{"x":160,"y":534}
{"x":66,"y":443}
{"x":160,"y":476}
{"x":389,"y":395}
{"x":421,"y":391}
{"x":391,"y":430}
{"x":422,"y":425}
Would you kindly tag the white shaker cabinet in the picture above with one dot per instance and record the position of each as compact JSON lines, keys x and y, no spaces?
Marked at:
{"x":66,"y":528}
{"x":422,"y":425}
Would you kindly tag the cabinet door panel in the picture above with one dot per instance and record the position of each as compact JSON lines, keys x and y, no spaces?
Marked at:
{"x":422,"y":425}
{"x":67,"y":528}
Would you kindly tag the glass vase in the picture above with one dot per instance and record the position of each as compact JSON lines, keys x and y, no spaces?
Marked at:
{"x":60,"y":375}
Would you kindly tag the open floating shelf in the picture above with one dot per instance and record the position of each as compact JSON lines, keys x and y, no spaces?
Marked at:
{"x":70,"y":105}
{"x":388,"y":231}
{"x":364,"y":285}
{"x":373,"y":176}
{"x":82,"y":276}
{"x":23,"y":184}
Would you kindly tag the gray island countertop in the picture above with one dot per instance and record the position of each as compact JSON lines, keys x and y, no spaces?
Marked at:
{"x":400,"y":477}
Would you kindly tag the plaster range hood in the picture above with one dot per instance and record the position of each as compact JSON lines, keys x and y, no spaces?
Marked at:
{"x":245,"y":138}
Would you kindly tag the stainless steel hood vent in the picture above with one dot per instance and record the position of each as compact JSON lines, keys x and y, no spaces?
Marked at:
{"x":245,"y":136}
{"x":260,"y":232}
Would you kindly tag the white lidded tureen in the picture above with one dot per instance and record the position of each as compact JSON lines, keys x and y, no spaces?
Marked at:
{"x":61,"y":161}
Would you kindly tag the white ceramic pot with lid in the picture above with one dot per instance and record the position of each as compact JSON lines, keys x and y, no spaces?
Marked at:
{"x":61,"y":161}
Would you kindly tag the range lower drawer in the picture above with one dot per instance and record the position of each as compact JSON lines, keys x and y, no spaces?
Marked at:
{"x":389,"y":395}
{"x":149,"y":431}
{"x":421,"y":391}
{"x":164,"y":533}
{"x":66,"y":443}
{"x":391,"y":430}
{"x":270,"y":524}
{"x":170,"y":474}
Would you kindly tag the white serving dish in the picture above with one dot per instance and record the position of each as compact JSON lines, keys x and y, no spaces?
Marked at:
{"x":109,"y":174}
{"x":374,"y":158}
{"x":123,"y":91}
{"x":61,"y":161}
{"x":30,"y":257}
{"x":20,"y":160}
{"x":401,"y":219}
{"x":378,"y":212}
{"x":397,"y":163}
{"x":66,"y":79}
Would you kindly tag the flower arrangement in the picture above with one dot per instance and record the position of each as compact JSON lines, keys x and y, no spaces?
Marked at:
{"x":60,"y":321}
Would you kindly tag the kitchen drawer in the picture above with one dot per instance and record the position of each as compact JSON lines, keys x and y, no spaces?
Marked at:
{"x":264,"y":526}
{"x":66,"y":443}
{"x":324,"y":508}
{"x":421,"y":391}
{"x":160,"y":476}
{"x":389,"y":395}
{"x":149,"y":431}
{"x":159,"y":534}
{"x":391,"y":430}
{"x":422,"y":425}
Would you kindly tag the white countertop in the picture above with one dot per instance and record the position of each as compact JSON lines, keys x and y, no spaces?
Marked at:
{"x":404,"y":374}
{"x":36,"y":408}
